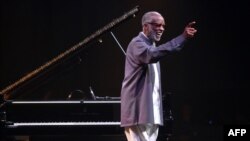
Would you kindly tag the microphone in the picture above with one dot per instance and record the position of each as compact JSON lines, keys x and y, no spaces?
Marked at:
{"x":92,"y":93}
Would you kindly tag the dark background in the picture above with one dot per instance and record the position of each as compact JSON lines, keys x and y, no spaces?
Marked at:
{"x":207,"y":80}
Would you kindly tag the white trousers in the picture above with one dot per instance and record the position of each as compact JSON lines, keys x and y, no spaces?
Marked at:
{"x":147,"y":132}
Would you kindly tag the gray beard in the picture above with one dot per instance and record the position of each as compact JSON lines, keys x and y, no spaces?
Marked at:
{"x":153,"y":37}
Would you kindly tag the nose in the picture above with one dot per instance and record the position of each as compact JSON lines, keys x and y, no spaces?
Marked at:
{"x":162,"y":28}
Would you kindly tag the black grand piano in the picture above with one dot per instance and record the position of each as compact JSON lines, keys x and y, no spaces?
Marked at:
{"x":60,"y":119}
{"x":94,"y":118}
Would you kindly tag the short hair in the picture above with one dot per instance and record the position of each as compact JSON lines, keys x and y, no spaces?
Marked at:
{"x":147,"y":17}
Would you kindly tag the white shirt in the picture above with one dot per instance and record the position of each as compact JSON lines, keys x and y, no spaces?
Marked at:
{"x":156,"y":92}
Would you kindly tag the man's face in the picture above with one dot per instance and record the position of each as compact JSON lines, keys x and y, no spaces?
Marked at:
{"x":155,"y":28}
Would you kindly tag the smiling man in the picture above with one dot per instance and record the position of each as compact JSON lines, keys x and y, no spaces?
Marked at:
{"x":141,"y":98}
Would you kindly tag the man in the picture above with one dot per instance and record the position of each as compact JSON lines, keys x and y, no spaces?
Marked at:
{"x":141,"y":100}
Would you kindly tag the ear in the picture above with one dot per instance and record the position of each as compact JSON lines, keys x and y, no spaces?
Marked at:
{"x":145,"y":28}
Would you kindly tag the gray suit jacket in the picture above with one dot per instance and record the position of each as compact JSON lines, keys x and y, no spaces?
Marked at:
{"x":137,"y":86}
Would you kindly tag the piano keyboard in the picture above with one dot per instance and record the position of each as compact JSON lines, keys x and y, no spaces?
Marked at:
{"x":23,"y":124}
{"x":62,"y":117}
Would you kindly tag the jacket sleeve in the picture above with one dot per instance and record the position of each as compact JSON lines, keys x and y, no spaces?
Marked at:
{"x":145,"y":54}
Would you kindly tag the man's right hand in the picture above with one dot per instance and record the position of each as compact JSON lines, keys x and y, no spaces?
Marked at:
{"x":190,"y":31}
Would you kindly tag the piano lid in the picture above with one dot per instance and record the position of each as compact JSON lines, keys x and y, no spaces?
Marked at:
{"x":11,"y":91}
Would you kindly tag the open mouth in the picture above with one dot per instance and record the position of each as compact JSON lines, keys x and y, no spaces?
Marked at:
{"x":158,"y":34}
